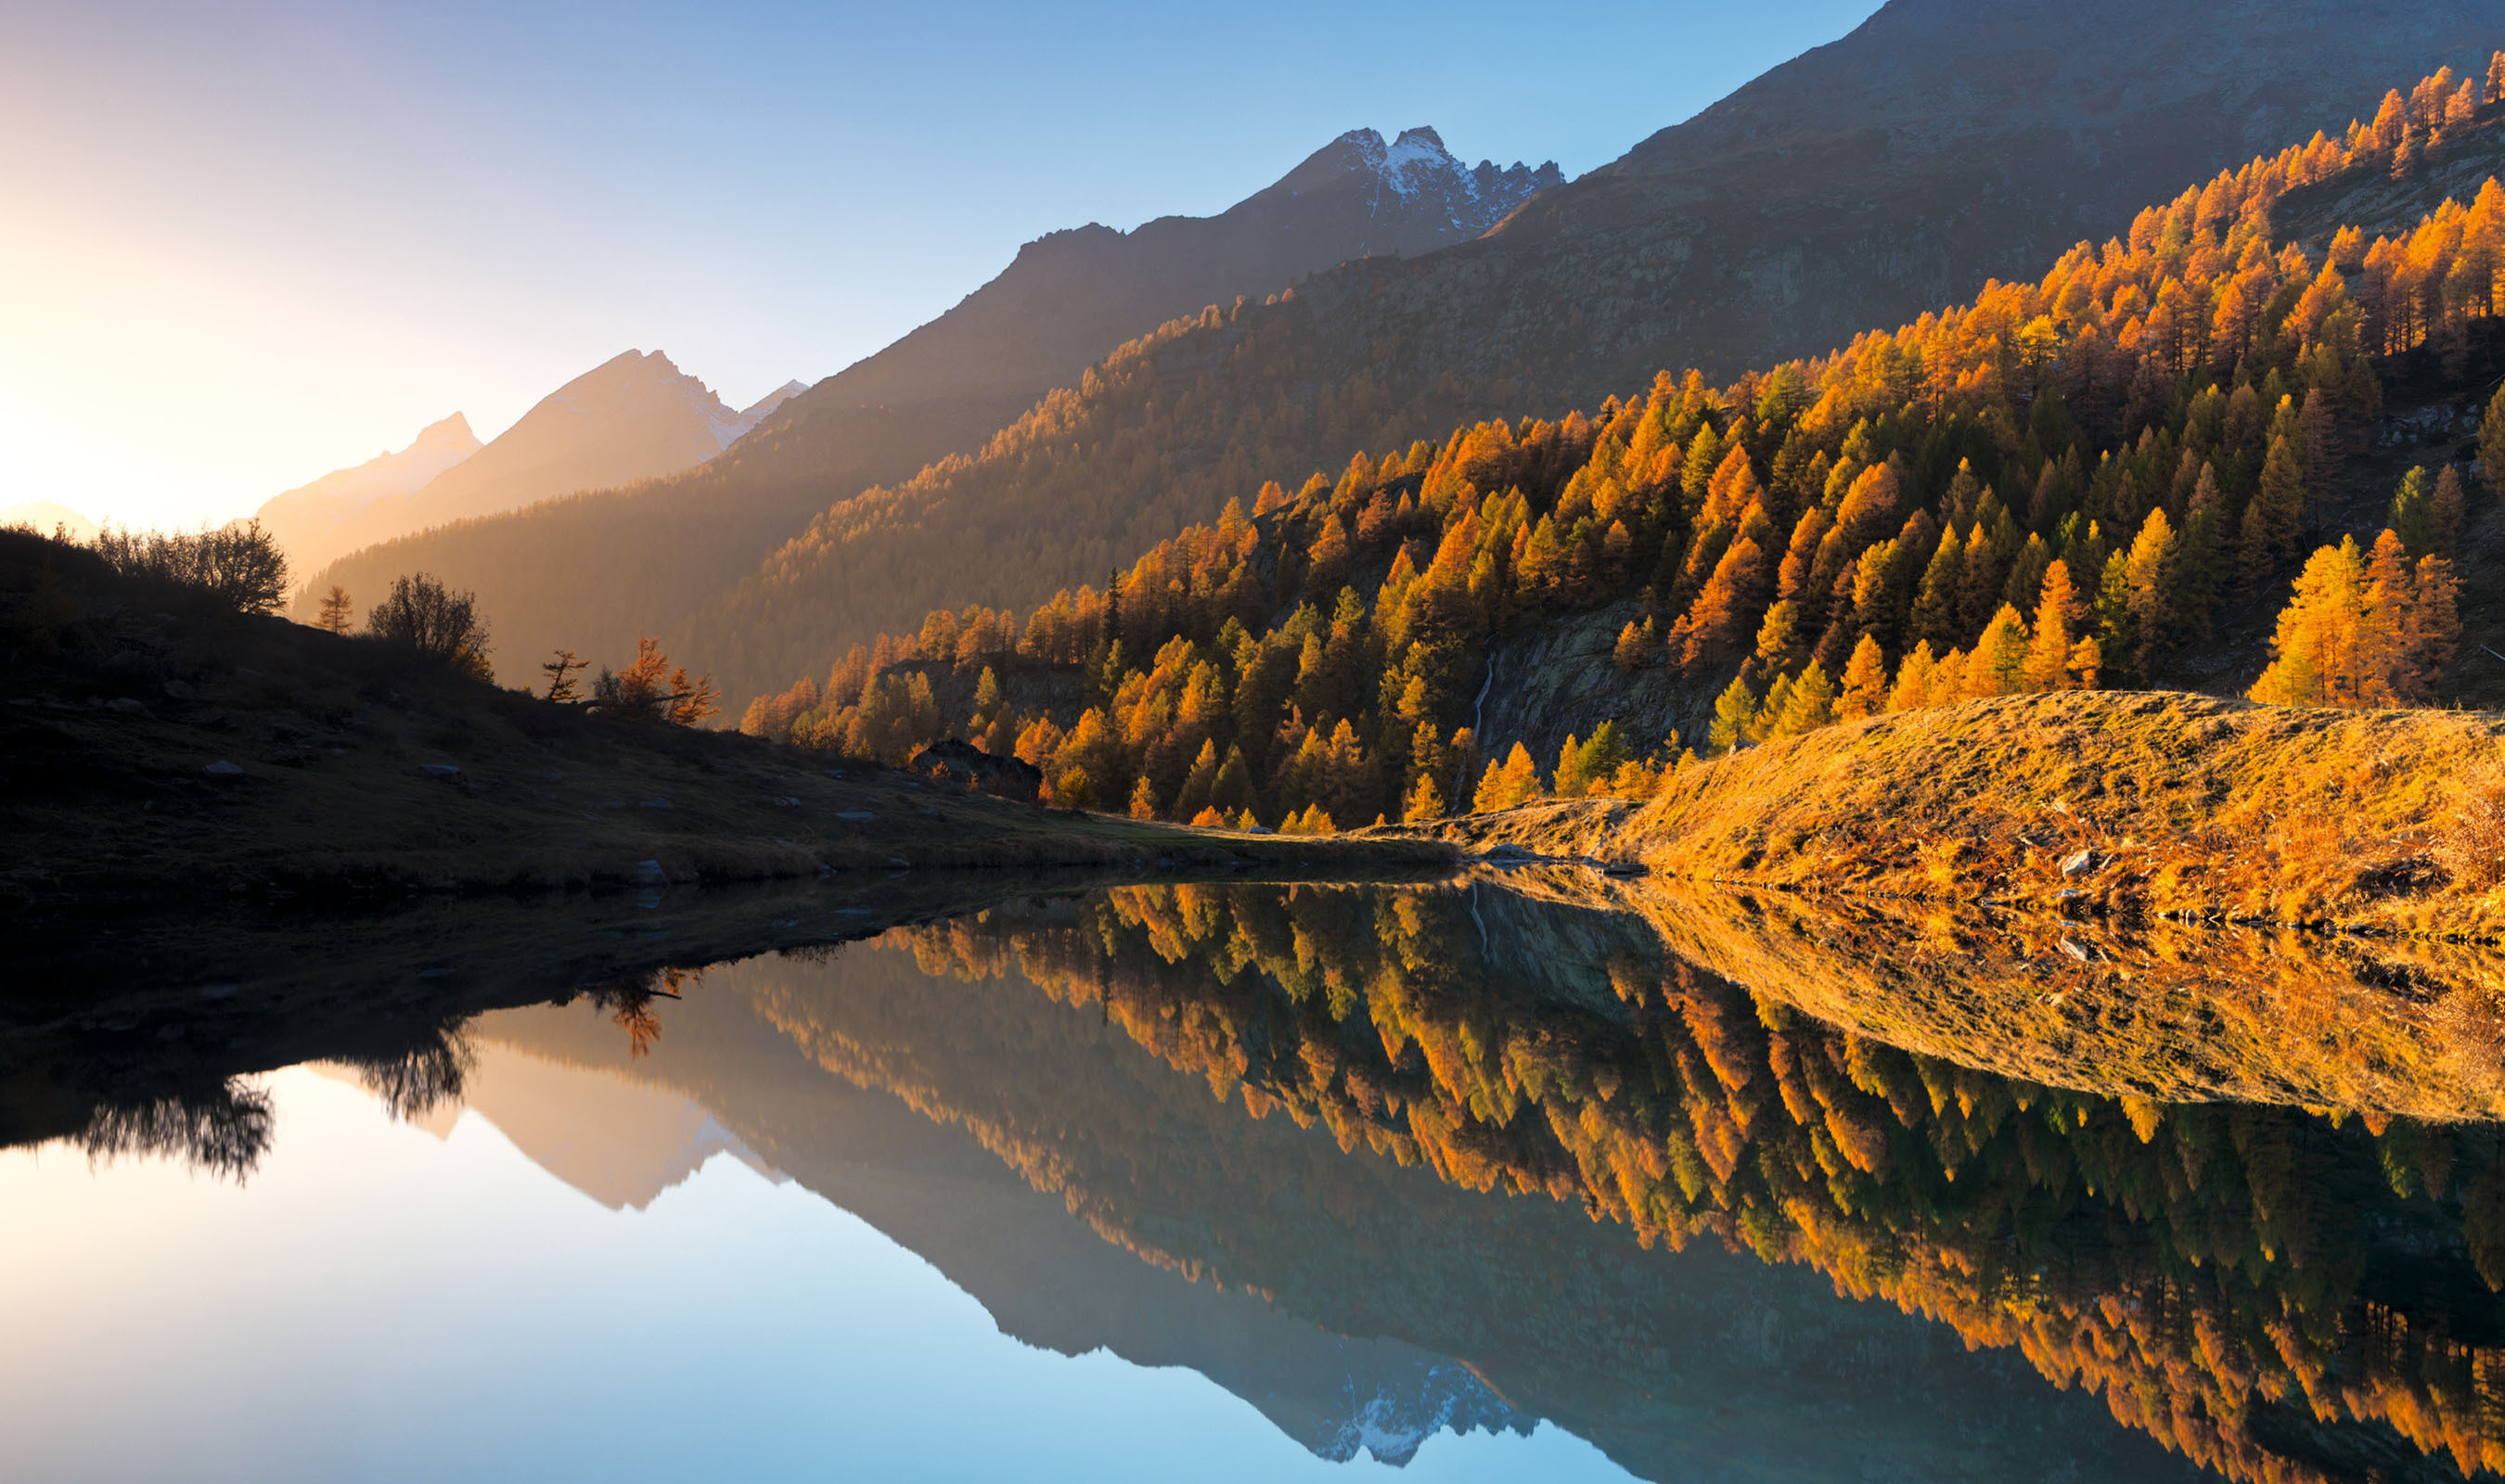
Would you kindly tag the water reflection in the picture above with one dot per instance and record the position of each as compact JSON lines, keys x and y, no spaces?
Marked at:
{"x":2275,"y":1294}
{"x":1356,"y":1301}
{"x":224,"y":1130}
{"x":1732,"y":1187}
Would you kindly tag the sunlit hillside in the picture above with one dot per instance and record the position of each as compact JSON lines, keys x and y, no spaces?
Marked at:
{"x":2100,"y":478}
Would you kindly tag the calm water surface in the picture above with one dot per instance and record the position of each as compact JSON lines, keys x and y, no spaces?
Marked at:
{"x":1235,"y":1183}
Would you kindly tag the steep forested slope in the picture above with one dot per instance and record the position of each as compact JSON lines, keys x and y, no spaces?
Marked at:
{"x":2064,"y":483}
{"x":1944,"y":142}
{"x":594,"y":572}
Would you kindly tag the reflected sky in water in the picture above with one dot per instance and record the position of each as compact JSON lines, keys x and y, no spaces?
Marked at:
{"x":1479,"y":1180}
{"x":379,"y":1302}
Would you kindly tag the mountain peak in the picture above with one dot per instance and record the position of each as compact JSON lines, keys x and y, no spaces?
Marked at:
{"x":449,"y":432}
{"x":1423,"y":177}
{"x":1422,"y":140}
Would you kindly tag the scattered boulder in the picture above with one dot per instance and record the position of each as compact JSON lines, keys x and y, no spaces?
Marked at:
{"x":648,"y":872}
{"x":439,"y":769}
{"x":2079,"y":864}
{"x":179,"y":690}
{"x":125,"y":706}
{"x":969,"y":767}
{"x":222,"y":769}
{"x":656,"y":804}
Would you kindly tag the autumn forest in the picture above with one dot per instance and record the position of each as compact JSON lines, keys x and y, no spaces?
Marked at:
{"x":2059,"y":485}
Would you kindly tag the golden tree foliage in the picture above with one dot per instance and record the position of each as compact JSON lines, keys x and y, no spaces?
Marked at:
{"x":2052,"y":485}
{"x":2362,"y":630}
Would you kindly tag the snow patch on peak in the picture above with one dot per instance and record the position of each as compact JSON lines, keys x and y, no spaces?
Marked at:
{"x":1417,"y":161}
{"x":1389,"y":1416}
{"x":1419,"y":143}
{"x":1366,"y":143}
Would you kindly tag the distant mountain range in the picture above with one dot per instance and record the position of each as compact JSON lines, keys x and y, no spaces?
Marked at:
{"x":594,"y":574}
{"x":1071,"y":296}
{"x":636,"y":416}
{"x":308,"y":520}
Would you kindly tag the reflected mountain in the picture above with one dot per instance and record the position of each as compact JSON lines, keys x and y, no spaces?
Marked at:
{"x":561,"y":1085}
{"x":1733,"y":1186}
{"x":971,"y":1109}
{"x":2272,"y":1292}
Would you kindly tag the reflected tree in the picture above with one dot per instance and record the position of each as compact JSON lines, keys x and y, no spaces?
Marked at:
{"x":224,"y":1131}
{"x":418,"y":1078}
{"x":2278,"y":1294}
{"x":629,"y":1000}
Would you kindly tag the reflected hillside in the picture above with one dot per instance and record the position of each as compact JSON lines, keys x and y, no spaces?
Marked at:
{"x":892,"y":1090}
{"x":2386,"y":1028}
{"x":2275,"y":1294}
{"x":570,"y":1093}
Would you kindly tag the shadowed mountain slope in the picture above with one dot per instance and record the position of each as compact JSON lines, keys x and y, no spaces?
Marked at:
{"x":636,"y":416}
{"x":593,"y":573}
{"x":311,"y":521}
{"x":1944,"y":143}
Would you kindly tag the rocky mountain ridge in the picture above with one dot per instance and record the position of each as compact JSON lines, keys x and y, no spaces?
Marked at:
{"x":1942,"y":144}
{"x":635,"y":416}
{"x":1069,"y":298}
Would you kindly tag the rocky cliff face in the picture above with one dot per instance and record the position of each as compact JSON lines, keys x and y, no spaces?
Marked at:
{"x":1070,"y":298}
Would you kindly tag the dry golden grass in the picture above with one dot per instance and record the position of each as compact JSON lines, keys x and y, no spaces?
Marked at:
{"x":2159,"y":1010}
{"x":2380,"y":820}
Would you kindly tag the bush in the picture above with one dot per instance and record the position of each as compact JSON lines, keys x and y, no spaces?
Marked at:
{"x":239,"y":566}
{"x":2471,"y":845}
{"x":434,"y":620}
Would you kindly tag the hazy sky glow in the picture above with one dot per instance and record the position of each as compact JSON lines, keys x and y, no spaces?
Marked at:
{"x":243,"y":245}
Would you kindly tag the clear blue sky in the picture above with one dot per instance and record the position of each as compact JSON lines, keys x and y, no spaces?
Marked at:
{"x":245,"y":244}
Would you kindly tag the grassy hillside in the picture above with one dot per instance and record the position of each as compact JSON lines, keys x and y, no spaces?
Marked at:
{"x":152,"y":744}
{"x":2184,"y":804}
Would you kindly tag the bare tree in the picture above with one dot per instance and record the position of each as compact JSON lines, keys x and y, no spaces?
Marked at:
{"x":431,"y":618}
{"x":240,"y":565}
